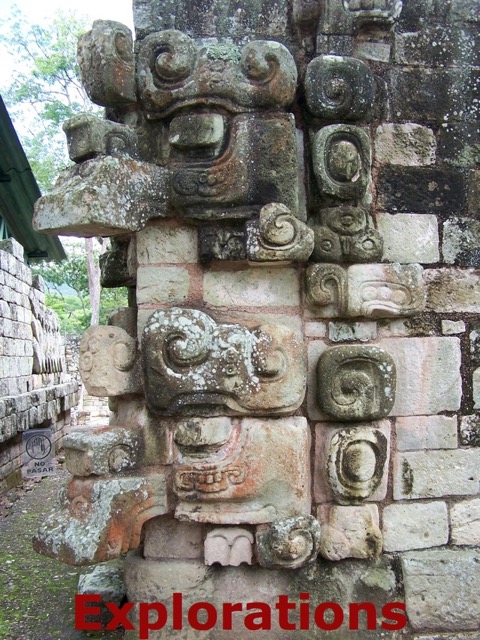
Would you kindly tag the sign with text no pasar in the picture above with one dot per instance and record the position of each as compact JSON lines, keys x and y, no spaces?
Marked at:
{"x":38,"y":453}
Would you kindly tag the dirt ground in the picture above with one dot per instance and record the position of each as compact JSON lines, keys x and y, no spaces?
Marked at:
{"x":36,"y":593}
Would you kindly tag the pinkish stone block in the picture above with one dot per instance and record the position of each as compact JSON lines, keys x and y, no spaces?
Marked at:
{"x":229,"y":546}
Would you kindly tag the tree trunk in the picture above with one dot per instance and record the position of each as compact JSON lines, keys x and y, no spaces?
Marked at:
{"x":93,"y":271}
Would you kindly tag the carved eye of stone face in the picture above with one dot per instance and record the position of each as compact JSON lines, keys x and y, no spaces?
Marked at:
{"x":359,"y":461}
{"x":123,"y":356}
{"x":344,"y":161}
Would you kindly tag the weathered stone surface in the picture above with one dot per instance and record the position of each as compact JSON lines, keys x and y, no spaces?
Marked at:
{"x":337,"y":87}
{"x":453,"y":290}
{"x":426,"y":432}
{"x":278,"y":236}
{"x":326,"y":288}
{"x":452,"y":603}
{"x":229,"y":546}
{"x":449,"y":636}
{"x":167,"y":285}
{"x":193,"y":364}
{"x":351,"y":464}
{"x":434,"y":474}
{"x":465,"y":522}
{"x":166,"y":245}
{"x":102,"y":450}
{"x":88,"y":137}
{"x":290,"y":543}
{"x":349,"y":532}
{"x":115,"y":265}
{"x":222,"y":243}
{"x":409,"y":237}
{"x":405,"y":144}
{"x":342,"y":331}
{"x":415,"y":526}
{"x":341,"y":157}
{"x":458,"y":144}
{"x":476,"y":388}
{"x":109,"y":363}
{"x":453,"y":327}
{"x":99,"y":519}
{"x":378,"y":11}
{"x":461,"y":240}
{"x":475,"y":344}
{"x":107,"y":64}
{"x":428,"y":374}
{"x":470,"y":430}
{"x":356,"y":383}
{"x":259,"y":475}
{"x":102,"y":197}
{"x":105,"y":579}
{"x":168,"y":538}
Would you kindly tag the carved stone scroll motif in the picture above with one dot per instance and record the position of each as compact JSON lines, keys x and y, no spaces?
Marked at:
{"x":342,"y":160}
{"x":229,"y":546}
{"x":356,"y":382}
{"x":101,"y":518}
{"x":259,"y":474}
{"x":337,"y":87}
{"x":370,"y":290}
{"x":278,"y":235}
{"x":290,"y":543}
{"x":109,"y":363}
{"x":192,"y":365}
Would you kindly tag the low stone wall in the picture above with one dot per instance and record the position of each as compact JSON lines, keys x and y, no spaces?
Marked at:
{"x":35,"y":389}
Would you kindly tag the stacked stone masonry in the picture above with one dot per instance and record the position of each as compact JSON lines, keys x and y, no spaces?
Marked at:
{"x":35,"y":389}
{"x":292,"y":192}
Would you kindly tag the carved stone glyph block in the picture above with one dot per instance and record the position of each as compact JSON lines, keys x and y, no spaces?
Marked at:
{"x":229,"y":546}
{"x":342,"y":159}
{"x":350,"y":532}
{"x":383,"y":11}
{"x":259,"y":474}
{"x":194,"y":365}
{"x":351,"y":464}
{"x":289,"y":543}
{"x":356,"y":382}
{"x":109,"y":363}
{"x":278,"y":236}
{"x":89,"y":136}
{"x":338,"y":87}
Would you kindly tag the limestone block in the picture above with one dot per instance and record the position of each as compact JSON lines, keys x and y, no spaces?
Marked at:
{"x":109,"y":363}
{"x":343,"y":331}
{"x":166,"y":245}
{"x":341,"y":88}
{"x":89,"y":136}
{"x":262,"y":74}
{"x":107,"y":64}
{"x":168,"y":538}
{"x":441,"y":589}
{"x":415,"y":526}
{"x":193,"y":364}
{"x":470,"y":430}
{"x":260,"y":474}
{"x":167,"y":285}
{"x":356,"y":382}
{"x":453,"y":327}
{"x":105,"y":196}
{"x":14,"y":248}
{"x":426,"y":432}
{"x":428,"y":374}
{"x":476,"y":388}
{"x":115,"y":265}
{"x":193,"y":436}
{"x":351,"y":464}
{"x":105,"y":579}
{"x":290,"y":543}
{"x":409,"y":237}
{"x":405,"y":144}
{"x":102,"y":450}
{"x":229,"y":546}
{"x":434,"y":474}
{"x":222,"y":243}
{"x":278,"y":236}
{"x":197,"y":131}
{"x":461,"y":237}
{"x":315,"y":329}
{"x":378,"y":11}
{"x":101,"y":518}
{"x":465,"y":522}
{"x":341,"y":161}
{"x":350,"y":532}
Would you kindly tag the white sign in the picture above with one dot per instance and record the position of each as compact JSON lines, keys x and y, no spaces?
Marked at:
{"x":39,"y":453}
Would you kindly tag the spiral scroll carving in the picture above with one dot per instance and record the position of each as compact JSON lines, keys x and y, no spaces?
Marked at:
{"x":326,"y":284}
{"x":290,"y":543}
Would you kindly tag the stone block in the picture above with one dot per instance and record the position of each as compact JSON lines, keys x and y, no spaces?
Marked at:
{"x":166,"y":245}
{"x":410,"y":145}
{"x":252,"y":288}
{"x":415,"y":526}
{"x":476,"y":388}
{"x":14,"y":248}
{"x":452,"y":290}
{"x":441,"y":588}
{"x":345,"y":332}
{"x":453,"y":327}
{"x":229,"y":546}
{"x":435,"y":474}
{"x":351,"y":464}
{"x":473,"y":193}
{"x":222,"y":486}
{"x":89,"y":136}
{"x":196,"y":366}
{"x":168,"y":538}
{"x":470,"y":430}
{"x":289,"y":543}
{"x":315,"y":329}
{"x":465,"y":522}
{"x":222,"y":242}
{"x":166,"y":285}
{"x":428,"y":374}
{"x":475,"y":344}
{"x":409,"y":237}
{"x":349,"y":532}
{"x":461,"y":240}
{"x":457,"y":145}
{"x":105,"y":579}
{"x":426,"y":432}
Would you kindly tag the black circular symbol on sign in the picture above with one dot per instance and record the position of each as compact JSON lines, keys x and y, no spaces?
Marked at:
{"x":38,"y":447}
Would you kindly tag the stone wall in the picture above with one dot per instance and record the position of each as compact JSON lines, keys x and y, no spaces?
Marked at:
{"x":35,"y":390}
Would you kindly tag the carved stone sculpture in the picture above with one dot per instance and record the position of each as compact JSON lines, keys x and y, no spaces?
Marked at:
{"x":290,"y":543}
{"x":350,"y":532}
{"x":229,"y":546}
